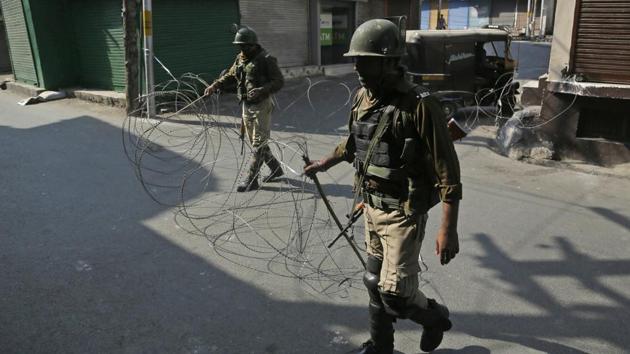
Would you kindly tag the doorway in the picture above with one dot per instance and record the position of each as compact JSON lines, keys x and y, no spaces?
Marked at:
{"x":337,"y":21}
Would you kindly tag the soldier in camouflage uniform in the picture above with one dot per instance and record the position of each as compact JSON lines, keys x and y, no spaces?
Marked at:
{"x":257,"y":77}
{"x":405,"y":162}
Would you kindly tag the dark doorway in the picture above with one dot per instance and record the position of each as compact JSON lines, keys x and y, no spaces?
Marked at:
{"x":336,"y":27}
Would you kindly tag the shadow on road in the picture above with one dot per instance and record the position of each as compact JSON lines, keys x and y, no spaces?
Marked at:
{"x":81,"y":273}
{"x":559,"y":319}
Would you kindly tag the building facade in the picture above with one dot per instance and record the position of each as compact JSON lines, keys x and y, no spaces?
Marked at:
{"x":57,"y":44}
{"x":73,"y":43}
{"x":465,"y":14}
{"x":586,"y":108}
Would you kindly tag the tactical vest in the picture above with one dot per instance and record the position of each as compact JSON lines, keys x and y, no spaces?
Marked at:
{"x":397,"y":174}
{"x":251,"y":74}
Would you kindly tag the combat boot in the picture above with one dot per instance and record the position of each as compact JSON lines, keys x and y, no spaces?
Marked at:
{"x":248,"y":185}
{"x":370,"y":348}
{"x":381,"y":332}
{"x":251,"y":182}
{"x":273,"y":164}
{"x":435,"y":322}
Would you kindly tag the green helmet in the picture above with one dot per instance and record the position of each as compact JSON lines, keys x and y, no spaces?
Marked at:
{"x":377,"y":38}
{"x":245,"y":35}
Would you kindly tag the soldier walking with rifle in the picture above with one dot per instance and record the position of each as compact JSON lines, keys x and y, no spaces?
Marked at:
{"x":257,"y":77}
{"x":406,"y":163}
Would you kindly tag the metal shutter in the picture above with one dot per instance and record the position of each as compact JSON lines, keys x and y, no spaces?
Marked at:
{"x":193,"y":36}
{"x":502,"y":13}
{"x":602,"y":41}
{"x":282,"y":28}
{"x":98,"y":31}
{"x":479,"y":13}
{"x":458,"y":14}
{"x":19,"y":43}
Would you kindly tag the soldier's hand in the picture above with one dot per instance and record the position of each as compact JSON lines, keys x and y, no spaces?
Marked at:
{"x":254,"y":93}
{"x":209,"y":90}
{"x":446,"y":245}
{"x":311,"y":168}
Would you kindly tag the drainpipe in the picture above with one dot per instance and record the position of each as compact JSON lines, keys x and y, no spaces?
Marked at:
{"x":533,"y":20}
{"x":515,"y":14}
{"x":147,"y":21}
{"x":528,"y":29}
{"x":543,"y":24}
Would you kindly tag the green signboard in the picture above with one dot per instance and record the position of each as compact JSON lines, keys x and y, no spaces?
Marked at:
{"x":325,"y":29}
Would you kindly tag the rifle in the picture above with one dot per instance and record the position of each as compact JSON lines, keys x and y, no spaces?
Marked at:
{"x":242,"y":135}
{"x":356,"y":214}
{"x":353,"y":246}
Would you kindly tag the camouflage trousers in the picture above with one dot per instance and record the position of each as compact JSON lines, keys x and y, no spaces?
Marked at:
{"x":396,"y":239}
{"x":257,"y":120}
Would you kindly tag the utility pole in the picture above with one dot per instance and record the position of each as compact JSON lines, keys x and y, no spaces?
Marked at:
{"x":147,"y":22}
{"x":543,"y":23}
{"x":515,"y":14}
{"x":528,"y":29}
{"x":533,"y":18}
{"x":131,"y":54}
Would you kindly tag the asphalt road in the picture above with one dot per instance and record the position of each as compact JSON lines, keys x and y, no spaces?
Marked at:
{"x":90,"y":264}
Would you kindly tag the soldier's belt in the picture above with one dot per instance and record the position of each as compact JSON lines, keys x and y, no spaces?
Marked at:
{"x":381,"y":201}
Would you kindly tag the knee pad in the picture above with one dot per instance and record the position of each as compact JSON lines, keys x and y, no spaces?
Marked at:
{"x":373,"y":265}
{"x":371,"y":278}
{"x":371,"y":281}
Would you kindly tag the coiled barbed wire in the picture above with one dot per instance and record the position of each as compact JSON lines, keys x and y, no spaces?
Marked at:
{"x":189,"y":158}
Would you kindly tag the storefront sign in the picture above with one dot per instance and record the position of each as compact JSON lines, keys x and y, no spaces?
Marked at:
{"x":325,"y":29}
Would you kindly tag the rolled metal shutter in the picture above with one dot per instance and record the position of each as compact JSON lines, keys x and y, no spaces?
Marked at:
{"x":19,"y":43}
{"x":602,"y":41}
{"x":98,"y":32}
{"x":458,"y":14}
{"x":479,"y":13}
{"x":5,"y":63}
{"x":282,"y":28}
{"x":193,"y":36}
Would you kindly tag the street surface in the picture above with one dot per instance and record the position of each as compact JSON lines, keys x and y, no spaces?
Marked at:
{"x":91,"y":264}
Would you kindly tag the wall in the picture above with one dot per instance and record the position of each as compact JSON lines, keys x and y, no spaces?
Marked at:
{"x":562,"y":37}
{"x":369,"y":10}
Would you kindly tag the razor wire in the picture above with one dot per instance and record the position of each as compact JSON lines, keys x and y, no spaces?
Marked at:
{"x":189,"y":158}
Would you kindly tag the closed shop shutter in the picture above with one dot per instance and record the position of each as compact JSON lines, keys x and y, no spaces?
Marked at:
{"x":193,"y":36}
{"x":5,"y":63}
{"x":19,"y":43}
{"x":282,"y":28}
{"x":98,"y":32}
{"x":502,"y":12}
{"x":479,"y":13}
{"x":602,"y":42}
{"x":458,"y":14}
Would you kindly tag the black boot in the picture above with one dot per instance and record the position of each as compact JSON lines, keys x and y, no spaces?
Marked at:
{"x":273,"y":164}
{"x":381,"y":332}
{"x":435,"y":321}
{"x":251,"y":182}
{"x":381,"y":323}
{"x":248,"y":185}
